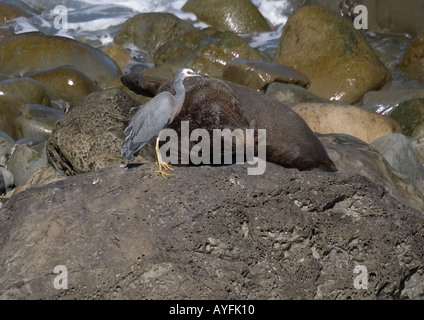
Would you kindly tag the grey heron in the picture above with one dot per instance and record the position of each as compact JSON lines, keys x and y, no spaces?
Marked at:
{"x":153,"y":116}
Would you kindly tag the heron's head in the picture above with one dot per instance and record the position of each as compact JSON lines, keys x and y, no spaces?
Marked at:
{"x":186,"y":73}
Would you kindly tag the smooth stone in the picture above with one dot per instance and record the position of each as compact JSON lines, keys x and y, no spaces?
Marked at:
{"x":239,"y":16}
{"x":385,"y":102}
{"x":65,"y":83}
{"x":32,"y":52}
{"x":335,"y":56}
{"x":397,"y":149}
{"x":120,"y":55}
{"x":89,"y":137}
{"x":412,"y":63}
{"x":13,"y":94}
{"x":25,"y":160}
{"x":6,"y":142}
{"x":258,"y":75}
{"x":149,"y":31}
{"x":35,"y":142}
{"x":356,"y":157}
{"x":210,"y":233}
{"x":40,"y":177}
{"x":327,"y":118}
{"x":206,"y":51}
{"x":290,"y":93}
{"x":10,"y":11}
{"x":36,"y":120}
{"x":410,"y":116}
{"x":387,"y":16}
{"x":6,"y":180}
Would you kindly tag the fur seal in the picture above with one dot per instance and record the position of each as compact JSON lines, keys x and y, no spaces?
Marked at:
{"x":214,"y":104}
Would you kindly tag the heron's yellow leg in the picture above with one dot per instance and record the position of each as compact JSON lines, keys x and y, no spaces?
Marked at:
{"x":163,"y":167}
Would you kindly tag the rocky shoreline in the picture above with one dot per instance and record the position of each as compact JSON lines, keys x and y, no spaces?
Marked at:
{"x":212,"y":232}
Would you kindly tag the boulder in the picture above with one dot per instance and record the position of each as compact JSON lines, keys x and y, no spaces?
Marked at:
{"x":353,"y":156}
{"x":206,"y":51}
{"x":410,"y":116}
{"x":239,"y":16}
{"x":16,"y":93}
{"x":352,"y":120}
{"x":258,"y":75}
{"x":89,"y":137}
{"x":36,"y":120}
{"x":26,"y":157}
{"x":399,"y":153}
{"x":31,"y":52}
{"x":65,"y":83}
{"x":385,"y":102}
{"x":210,"y":233}
{"x":40,"y":177}
{"x":10,"y":11}
{"x":332,"y":54}
{"x":290,"y":93}
{"x":6,"y":142}
{"x":391,"y":16}
{"x":149,"y":31}
{"x":413,"y":62}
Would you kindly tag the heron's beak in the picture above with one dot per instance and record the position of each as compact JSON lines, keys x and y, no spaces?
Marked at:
{"x":196,"y":74}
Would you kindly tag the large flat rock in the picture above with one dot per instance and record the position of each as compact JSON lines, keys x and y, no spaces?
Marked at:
{"x":210,"y":233}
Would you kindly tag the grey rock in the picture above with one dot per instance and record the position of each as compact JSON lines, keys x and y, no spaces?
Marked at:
{"x":36,"y":120}
{"x":24,"y":160}
{"x":353,"y":156}
{"x":385,"y":102}
{"x":399,"y":153}
{"x":6,"y":142}
{"x":210,"y":233}
{"x":6,"y":180}
{"x":291,"y":93}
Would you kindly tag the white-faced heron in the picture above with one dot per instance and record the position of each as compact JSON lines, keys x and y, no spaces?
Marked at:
{"x":153,"y":116}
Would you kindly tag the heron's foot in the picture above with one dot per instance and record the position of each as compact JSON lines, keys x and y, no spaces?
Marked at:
{"x":166,"y":167}
{"x":164,"y":173}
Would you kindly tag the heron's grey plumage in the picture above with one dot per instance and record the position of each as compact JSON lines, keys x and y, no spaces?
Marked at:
{"x":155,"y":115}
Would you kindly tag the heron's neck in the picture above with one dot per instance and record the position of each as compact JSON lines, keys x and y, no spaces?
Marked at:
{"x":179,"y":92}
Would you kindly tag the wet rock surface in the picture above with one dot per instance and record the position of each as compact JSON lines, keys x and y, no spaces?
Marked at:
{"x":383,"y":15}
{"x":210,"y":233}
{"x":324,"y":47}
{"x":16,"y":93}
{"x":10,"y":11}
{"x":413,"y":61}
{"x":65,"y":83}
{"x":38,"y":52}
{"x":258,"y":75}
{"x":239,"y":16}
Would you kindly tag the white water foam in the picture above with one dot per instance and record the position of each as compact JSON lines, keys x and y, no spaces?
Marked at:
{"x":100,"y":19}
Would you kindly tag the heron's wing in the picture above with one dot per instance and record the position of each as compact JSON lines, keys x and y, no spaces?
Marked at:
{"x":146,"y":123}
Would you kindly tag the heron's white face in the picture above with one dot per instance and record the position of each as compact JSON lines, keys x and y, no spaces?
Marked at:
{"x":187,"y":72}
